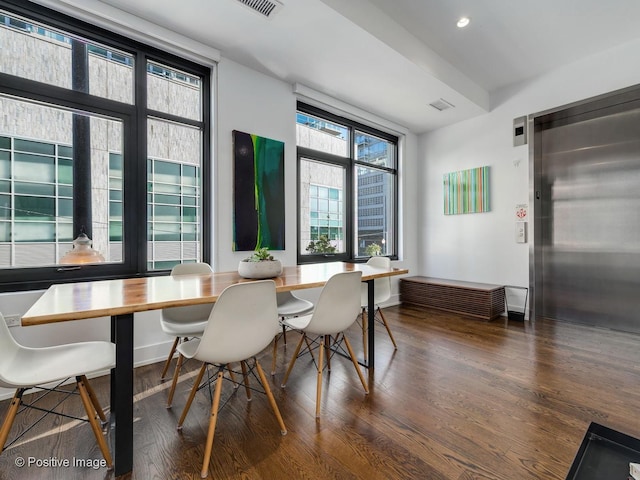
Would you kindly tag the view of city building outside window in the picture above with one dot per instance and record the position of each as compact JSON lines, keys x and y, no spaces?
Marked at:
{"x":375,"y":195}
{"x":322,"y":208}
{"x":37,"y":146}
{"x":322,"y":188}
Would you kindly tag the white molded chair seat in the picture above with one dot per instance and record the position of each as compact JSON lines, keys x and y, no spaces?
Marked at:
{"x":184,"y":322}
{"x":240,"y":326}
{"x":336,"y":310}
{"x":289,"y":306}
{"x":382,"y":293}
{"x":24,"y":368}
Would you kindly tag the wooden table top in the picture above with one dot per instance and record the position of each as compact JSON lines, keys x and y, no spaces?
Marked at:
{"x":75,"y":301}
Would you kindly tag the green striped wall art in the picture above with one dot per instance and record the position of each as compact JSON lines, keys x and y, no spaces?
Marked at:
{"x":466,"y":191}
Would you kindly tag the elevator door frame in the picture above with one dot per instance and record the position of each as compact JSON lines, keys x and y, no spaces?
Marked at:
{"x":589,"y":108}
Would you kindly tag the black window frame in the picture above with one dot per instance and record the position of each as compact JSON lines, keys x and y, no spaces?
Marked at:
{"x":351,"y":189}
{"x":133,"y":117}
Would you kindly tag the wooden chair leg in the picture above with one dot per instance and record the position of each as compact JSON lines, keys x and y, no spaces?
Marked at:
{"x":10,"y":417}
{"x":319,"y":380}
{"x":174,"y":382}
{"x":192,"y":395}
{"x":213,"y":417}
{"x":94,"y":399}
{"x":293,"y":360}
{"x":245,"y":378}
{"x":232,"y":376}
{"x":272,"y":400}
{"x":168,"y":361}
{"x":386,"y":325}
{"x":91,"y":414}
{"x":355,"y":363}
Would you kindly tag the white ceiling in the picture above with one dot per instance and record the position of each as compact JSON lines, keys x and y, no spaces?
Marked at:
{"x":394,"y":57}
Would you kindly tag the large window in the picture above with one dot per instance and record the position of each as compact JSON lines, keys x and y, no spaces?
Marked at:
{"x":99,"y":135}
{"x":347,"y":188}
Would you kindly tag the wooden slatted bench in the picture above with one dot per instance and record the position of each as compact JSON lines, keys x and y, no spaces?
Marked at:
{"x":480,"y":300}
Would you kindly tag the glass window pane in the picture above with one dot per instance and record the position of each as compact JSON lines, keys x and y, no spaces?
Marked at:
{"x":173,"y":91}
{"x":166,"y":232}
{"x":166,"y":172}
{"x":65,"y":232}
{"x":174,"y":142}
{"x":189,"y":214}
{"x":167,"y":199}
{"x":166,"y":213}
{"x":189,"y":175}
{"x":30,"y":146}
{"x":374,"y":150}
{"x":5,"y":232}
{"x":5,"y":142}
{"x":5,"y":186}
{"x":376,"y":210}
{"x":65,"y":171}
{"x":34,"y":232}
{"x":34,"y":208}
{"x":115,"y":165}
{"x":115,"y":231}
{"x":5,"y":207}
{"x":174,"y":183}
{"x":115,"y":210}
{"x":115,"y":183}
{"x":35,"y":189}
{"x":64,"y":151}
{"x":34,"y":167}
{"x":318,"y":134}
{"x":35,"y":44}
{"x":5,"y":164}
{"x":65,"y":191}
{"x":65,"y":208}
{"x":318,"y":179}
{"x":44,"y":183}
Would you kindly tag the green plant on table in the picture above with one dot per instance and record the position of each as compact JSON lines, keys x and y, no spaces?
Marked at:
{"x":260,"y":255}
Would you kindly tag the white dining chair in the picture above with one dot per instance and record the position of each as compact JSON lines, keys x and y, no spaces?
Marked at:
{"x":25,"y":368}
{"x":289,"y":305}
{"x":336,"y":310}
{"x":240,"y":326}
{"x":382,"y":293}
{"x":183,"y":323}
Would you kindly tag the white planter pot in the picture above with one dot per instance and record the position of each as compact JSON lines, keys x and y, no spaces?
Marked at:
{"x":262,"y":269}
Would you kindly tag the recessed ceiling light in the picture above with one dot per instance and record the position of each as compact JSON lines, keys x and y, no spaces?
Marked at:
{"x":463,"y":22}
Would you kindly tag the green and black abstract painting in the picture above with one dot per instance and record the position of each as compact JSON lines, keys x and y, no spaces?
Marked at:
{"x":258,"y":215}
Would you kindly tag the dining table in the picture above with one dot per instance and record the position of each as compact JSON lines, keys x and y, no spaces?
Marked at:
{"x":120,"y":299}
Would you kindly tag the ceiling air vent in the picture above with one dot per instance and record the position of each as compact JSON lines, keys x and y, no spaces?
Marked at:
{"x":441,"y":104}
{"x":264,"y":7}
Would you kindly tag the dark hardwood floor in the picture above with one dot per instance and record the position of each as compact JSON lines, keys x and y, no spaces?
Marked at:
{"x":460,"y":399}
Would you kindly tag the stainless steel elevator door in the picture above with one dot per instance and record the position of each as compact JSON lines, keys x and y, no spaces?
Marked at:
{"x":589,"y":211}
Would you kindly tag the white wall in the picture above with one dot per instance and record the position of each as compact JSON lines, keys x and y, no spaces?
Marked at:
{"x":481,"y":247}
{"x":254,"y":103}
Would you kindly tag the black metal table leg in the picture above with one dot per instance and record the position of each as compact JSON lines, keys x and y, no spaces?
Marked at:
{"x":371,"y":315}
{"x":122,"y":392}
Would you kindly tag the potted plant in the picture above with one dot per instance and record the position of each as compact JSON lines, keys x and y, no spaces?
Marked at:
{"x":322,"y":245}
{"x":373,"y":250}
{"x":260,"y":264}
